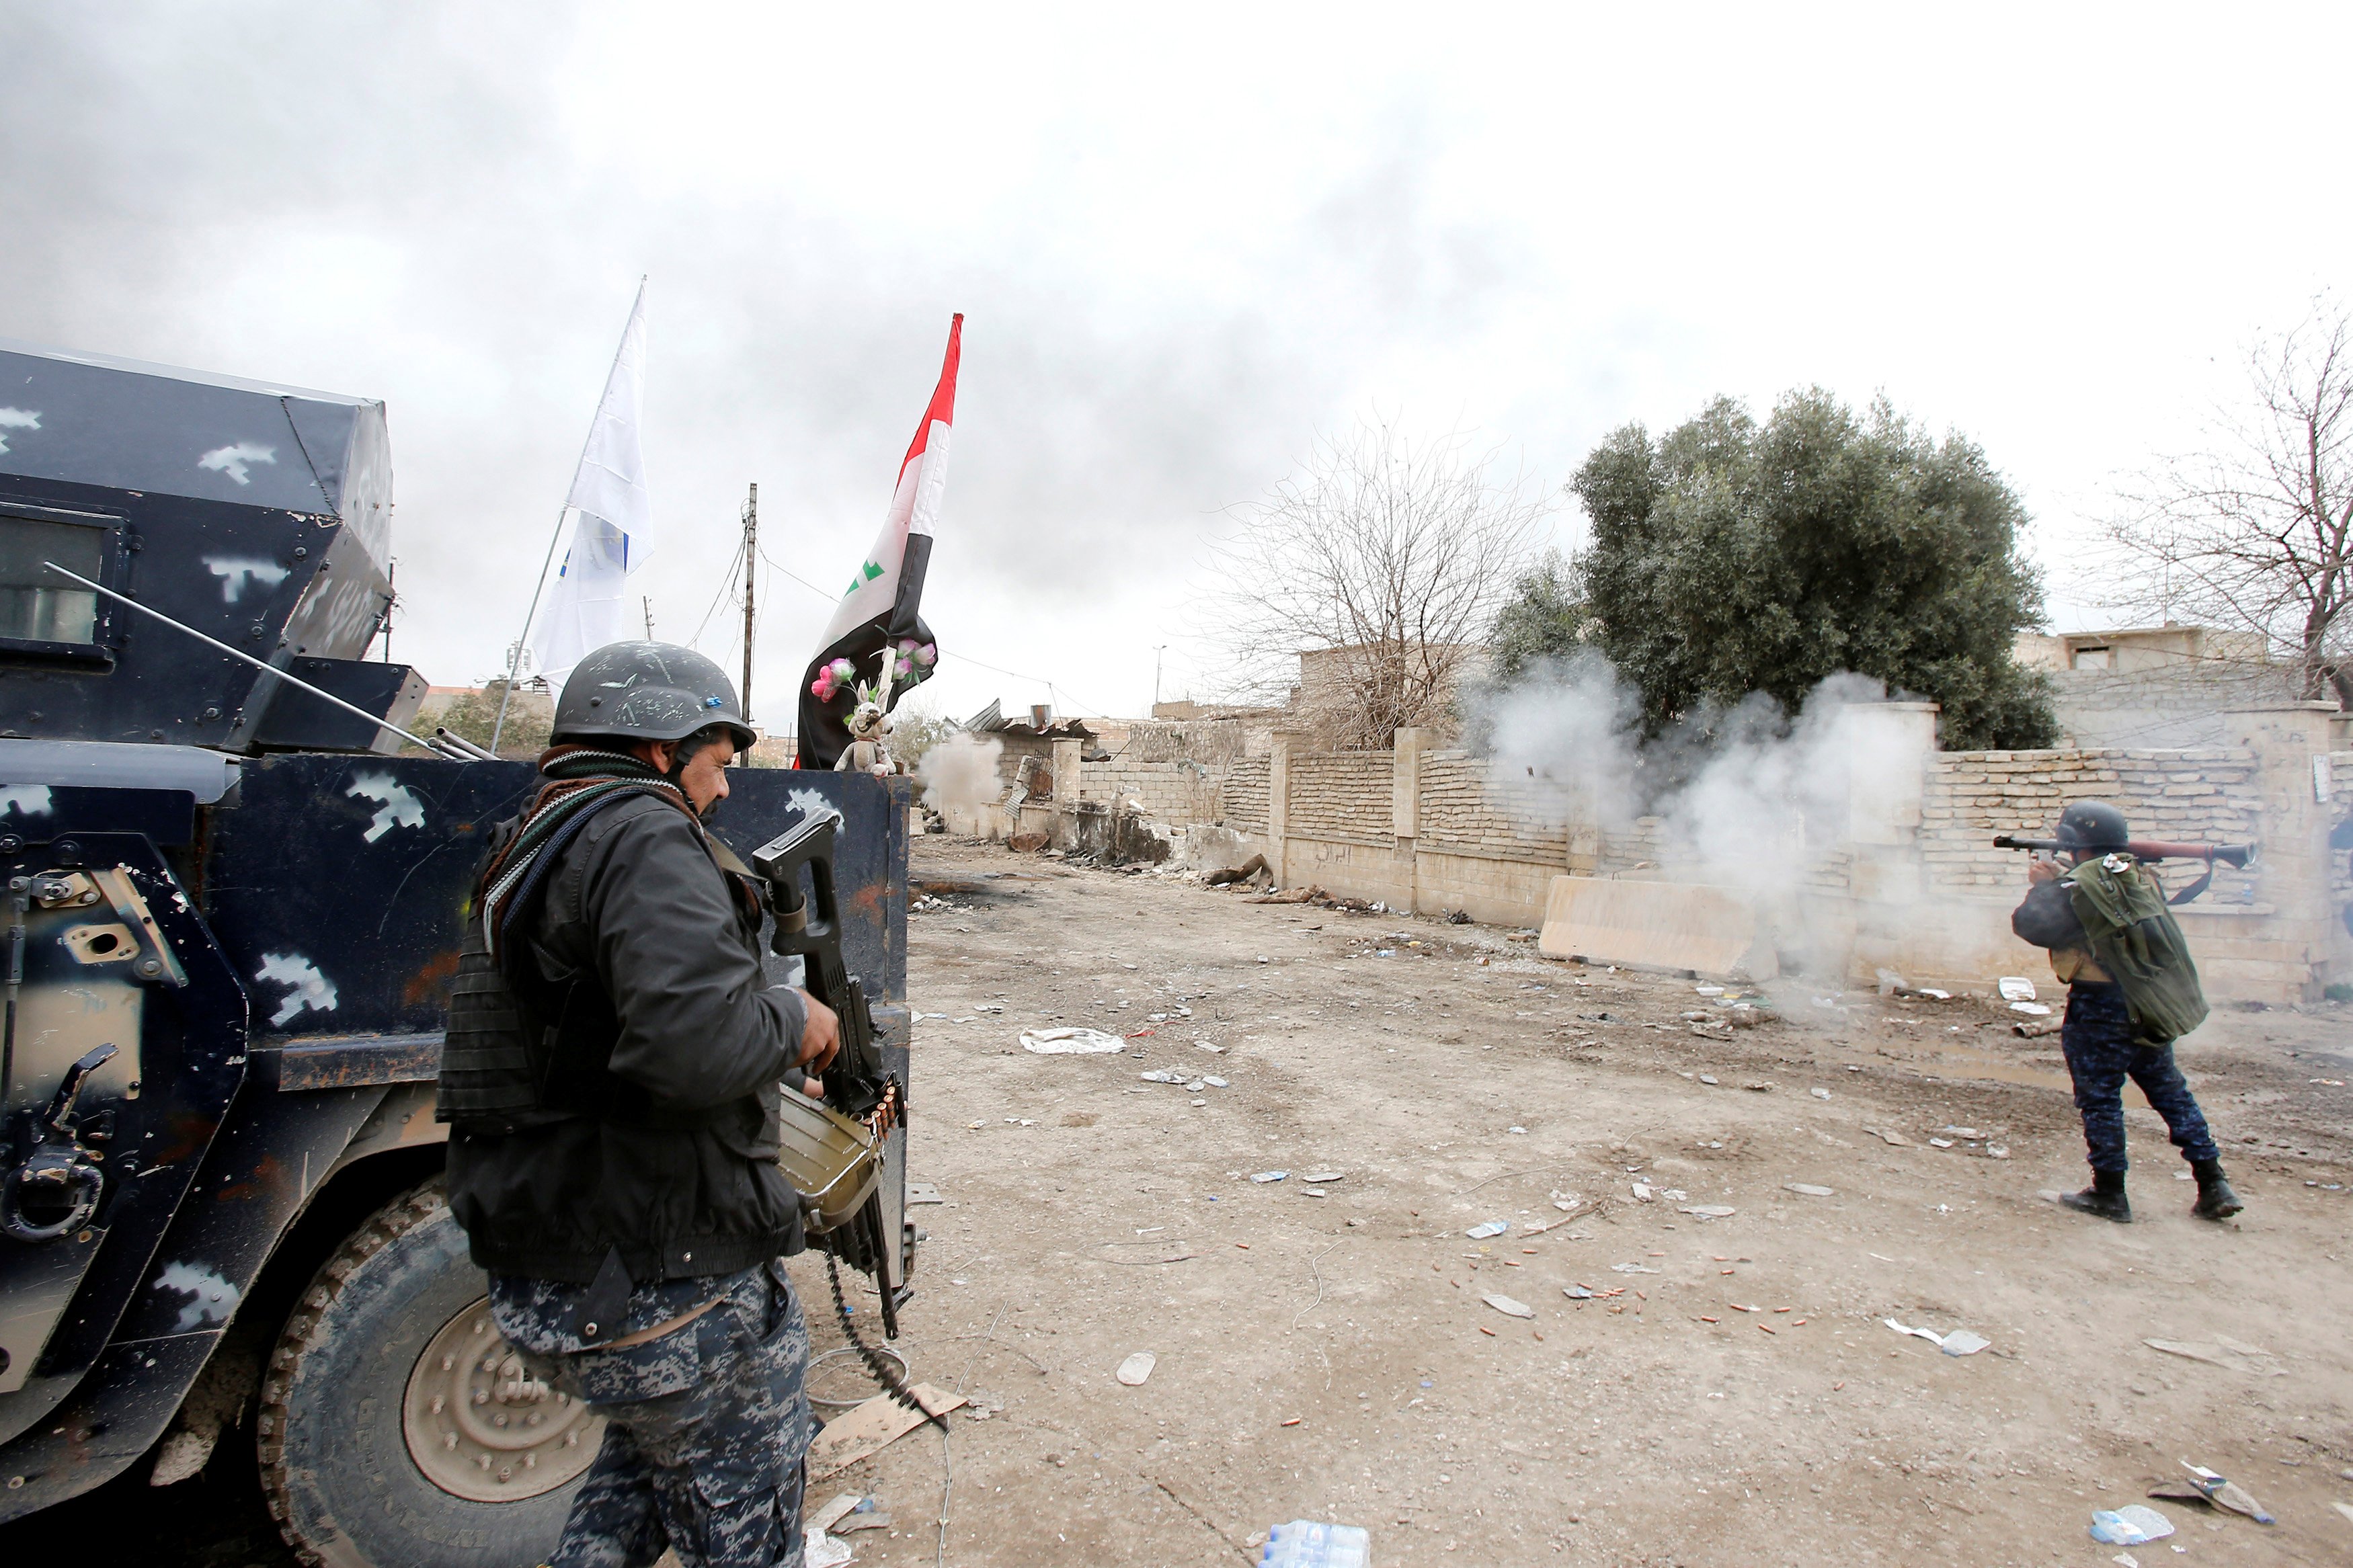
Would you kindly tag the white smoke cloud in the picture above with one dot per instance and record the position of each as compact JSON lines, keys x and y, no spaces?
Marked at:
{"x":960,"y":773}
{"x":1748,"y":798}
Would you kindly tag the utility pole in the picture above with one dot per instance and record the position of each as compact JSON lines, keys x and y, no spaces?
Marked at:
{"x":751,"y":560}
{"x":647,"y":601}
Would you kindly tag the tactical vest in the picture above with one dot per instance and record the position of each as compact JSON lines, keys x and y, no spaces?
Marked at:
{"x":522,"y":1050}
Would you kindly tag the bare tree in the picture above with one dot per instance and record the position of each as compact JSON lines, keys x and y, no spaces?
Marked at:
{"x":2253,"y":535}
{"x":1384,"y":562}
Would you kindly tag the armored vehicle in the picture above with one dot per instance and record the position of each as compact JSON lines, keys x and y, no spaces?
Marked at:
{"x":228,"y":920}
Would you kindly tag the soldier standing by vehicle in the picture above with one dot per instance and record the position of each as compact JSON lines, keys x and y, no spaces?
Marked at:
{"x":610,"y":1079}
{"x":2132,"y":990}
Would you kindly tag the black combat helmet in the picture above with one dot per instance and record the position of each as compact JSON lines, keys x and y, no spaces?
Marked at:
{"x":2089,"y":827}
{"x":648,"y":691}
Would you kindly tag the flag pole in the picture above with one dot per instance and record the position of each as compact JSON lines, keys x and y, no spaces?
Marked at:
{"x":514,"y":659}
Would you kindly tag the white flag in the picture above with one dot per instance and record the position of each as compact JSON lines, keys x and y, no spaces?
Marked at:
{"x":613,"y":521}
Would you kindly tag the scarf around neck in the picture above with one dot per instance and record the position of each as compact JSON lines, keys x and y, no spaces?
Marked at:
{"x":578,"y":781}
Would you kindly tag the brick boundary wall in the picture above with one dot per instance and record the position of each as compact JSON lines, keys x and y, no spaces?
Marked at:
{"x":1911,"y":881}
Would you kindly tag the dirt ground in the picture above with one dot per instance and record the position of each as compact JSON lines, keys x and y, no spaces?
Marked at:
{"x":1729,"y":1394}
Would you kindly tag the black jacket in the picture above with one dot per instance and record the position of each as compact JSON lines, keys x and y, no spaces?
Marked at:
{"x":636,"y":901}
{"x":2047,"y":917}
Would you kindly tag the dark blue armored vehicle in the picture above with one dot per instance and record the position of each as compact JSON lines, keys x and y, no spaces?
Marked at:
{"x":228,"y":920}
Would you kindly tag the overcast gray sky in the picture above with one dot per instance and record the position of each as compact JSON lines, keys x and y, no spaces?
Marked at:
{"x":1186,"y":242}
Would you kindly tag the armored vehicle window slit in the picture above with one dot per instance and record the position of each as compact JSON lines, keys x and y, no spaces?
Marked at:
{"x":43,"y":615}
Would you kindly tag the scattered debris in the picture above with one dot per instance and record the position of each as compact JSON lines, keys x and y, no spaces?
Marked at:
{"x":2227,"y":1494}
{"x":824,"y":1518}
{"x":1323,"y":1178}
{"x":1508,"y":1307}
{"x":1708,"y":1211}
{"x":858,"y":1434}
{"x":1961,"y":1342}
{"x":1265,"y":1176}
{"x":1810,"y":1190}
{"x":2223,"y":1352}
{"x":868,"y":1515}
{"x":1576,"y":1293}
{"x":1895,"y":1139}
{"x":1820,"y":1093}
{"x":2037,"y":1010}
{"x":923,"y":1193}
{"x":1491,"y":1227}
{"x":2132,"y":1525}
{"x":2015,"y":988}
{"x":1071,"y":1042}
{"x":1310,"y":1543}
{"x":1244,"y":872}
{"x":1136,"y":1368}
{"x":1707,"y":1077}
{"x":1631,"y":1269}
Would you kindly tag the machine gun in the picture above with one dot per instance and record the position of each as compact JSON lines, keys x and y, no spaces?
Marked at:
{"x":836,"y":1150}
{"x":2149,"y":850}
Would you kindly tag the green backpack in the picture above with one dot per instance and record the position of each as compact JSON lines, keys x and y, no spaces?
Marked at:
{"x":2136,"y":940}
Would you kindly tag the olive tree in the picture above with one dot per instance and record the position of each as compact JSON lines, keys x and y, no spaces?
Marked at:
{"x":1730,"y":557}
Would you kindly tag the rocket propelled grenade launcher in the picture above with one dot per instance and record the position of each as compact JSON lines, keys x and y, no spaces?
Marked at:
{"x":2149,"y":850}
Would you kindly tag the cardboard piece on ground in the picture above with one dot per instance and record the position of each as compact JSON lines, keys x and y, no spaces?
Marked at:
{"x":1677,"y":926}
{"x":871,"y":1427}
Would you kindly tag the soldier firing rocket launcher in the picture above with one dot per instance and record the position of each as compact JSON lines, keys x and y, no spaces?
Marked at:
{"x":2148,"y":850}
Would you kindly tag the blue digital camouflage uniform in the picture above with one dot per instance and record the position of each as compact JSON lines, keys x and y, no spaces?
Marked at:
{"x":2102,"y":1052}
{"x":708,"y":1428}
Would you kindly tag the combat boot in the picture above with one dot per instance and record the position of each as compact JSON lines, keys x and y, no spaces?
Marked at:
{"x":2105,"y":1198}
{"x":2215,"y":1198}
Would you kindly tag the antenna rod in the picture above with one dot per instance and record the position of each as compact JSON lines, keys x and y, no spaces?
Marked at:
{"x":295,"y":681}
{"x":750,"y":554}
{"x":647,"y":601}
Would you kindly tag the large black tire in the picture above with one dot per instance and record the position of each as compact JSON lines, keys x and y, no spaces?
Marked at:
{"x":336,"y":1465}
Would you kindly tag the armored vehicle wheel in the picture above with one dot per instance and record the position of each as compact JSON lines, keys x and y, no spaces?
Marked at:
{"x":396,"y":1427}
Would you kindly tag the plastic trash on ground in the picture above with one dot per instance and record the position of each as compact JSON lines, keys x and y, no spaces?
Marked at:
{"x":2227,"y":1494}
{"x":1136,"y":1368}
{"x":2015,"y":988}
{"x":1491,"y":1227}
{"x":2132,"y":1525}
{"x":1071,"y":1042}
{"x":1308,"y":1543}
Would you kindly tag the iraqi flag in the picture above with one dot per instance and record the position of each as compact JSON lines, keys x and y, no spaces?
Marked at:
{"x":878,"y":622}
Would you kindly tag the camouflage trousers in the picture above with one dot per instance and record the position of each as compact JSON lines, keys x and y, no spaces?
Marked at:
{"x":707,"y":1429}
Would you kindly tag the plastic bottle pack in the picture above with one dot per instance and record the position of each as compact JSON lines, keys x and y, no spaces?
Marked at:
{"x":1308,"y":1543}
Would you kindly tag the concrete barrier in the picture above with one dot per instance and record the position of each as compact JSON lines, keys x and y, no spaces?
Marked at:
{"x":1712,"y":931}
